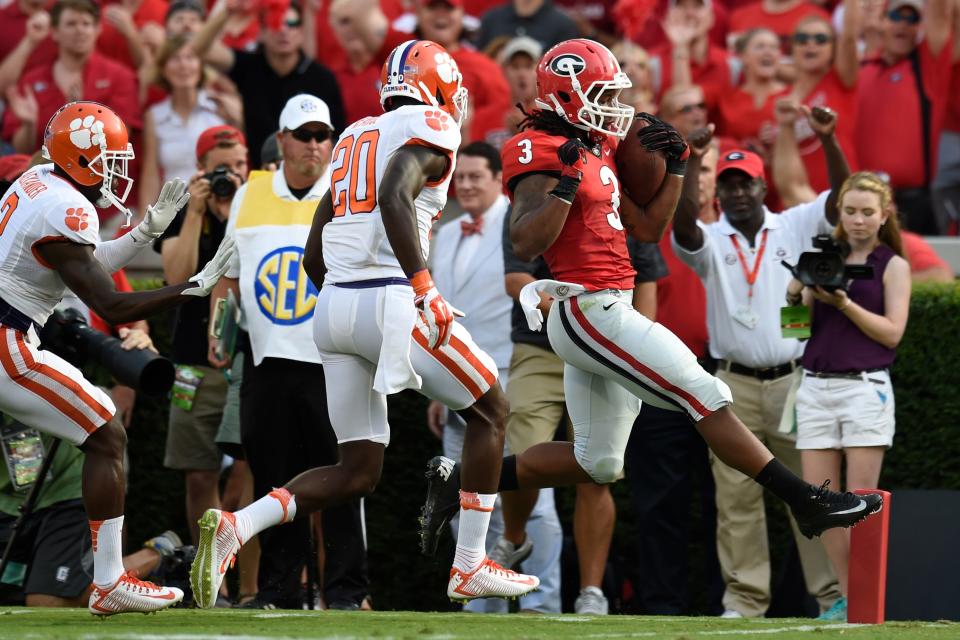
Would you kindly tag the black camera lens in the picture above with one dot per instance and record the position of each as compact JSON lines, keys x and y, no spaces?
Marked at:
{"x":220,"y":183}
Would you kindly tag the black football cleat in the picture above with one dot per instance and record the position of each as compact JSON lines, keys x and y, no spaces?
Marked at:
{"x":442,"y":503}
{"x":826,"y":509}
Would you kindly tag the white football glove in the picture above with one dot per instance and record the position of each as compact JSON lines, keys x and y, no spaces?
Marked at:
{"x":436,"y":312}
{"x":214,"y":270}
{"x":173,"y":197}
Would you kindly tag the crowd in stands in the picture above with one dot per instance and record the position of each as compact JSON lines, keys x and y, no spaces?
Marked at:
{"x":204,"y":85}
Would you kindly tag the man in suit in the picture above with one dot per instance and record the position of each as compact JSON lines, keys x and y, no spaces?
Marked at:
{"x":467,"y":267}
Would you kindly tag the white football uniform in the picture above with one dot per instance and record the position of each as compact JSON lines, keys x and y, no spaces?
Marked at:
{"x":366,"y":293}
{"x":37,"y":387}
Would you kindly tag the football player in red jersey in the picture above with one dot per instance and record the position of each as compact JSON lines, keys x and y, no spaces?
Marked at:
{"x":567,"y":206}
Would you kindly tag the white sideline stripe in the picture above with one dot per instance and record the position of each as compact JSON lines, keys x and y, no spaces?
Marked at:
{"x":731,"y":632}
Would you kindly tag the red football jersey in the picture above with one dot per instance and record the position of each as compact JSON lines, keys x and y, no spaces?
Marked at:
{"x":592,"y":247}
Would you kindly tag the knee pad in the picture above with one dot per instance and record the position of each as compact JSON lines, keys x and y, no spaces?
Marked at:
{"x":604,"y":470}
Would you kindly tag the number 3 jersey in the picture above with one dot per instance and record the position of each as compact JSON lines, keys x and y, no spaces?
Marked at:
{"x":591,"y":249}
{"x":40,"y":207}
{"x":355,"y":244}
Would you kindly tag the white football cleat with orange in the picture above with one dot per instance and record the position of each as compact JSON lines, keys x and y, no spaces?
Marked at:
{"x":129,"y":594}
{"x":216,"y":553}
{"x":489,"y":580}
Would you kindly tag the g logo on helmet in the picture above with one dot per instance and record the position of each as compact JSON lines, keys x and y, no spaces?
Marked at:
{"x":567,"y":64}
{"x":285,"y":295}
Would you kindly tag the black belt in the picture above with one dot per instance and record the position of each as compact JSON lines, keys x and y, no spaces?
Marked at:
{"x":846,"y":375}
{"x":14,"y":318}
{"x":764,"y":373}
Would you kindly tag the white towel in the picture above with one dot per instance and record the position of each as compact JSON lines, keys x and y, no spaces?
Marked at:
{"x":394,"y":369}
{"x":530,"y":298}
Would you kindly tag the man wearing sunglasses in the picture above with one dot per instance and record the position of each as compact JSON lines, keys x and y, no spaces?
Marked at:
{"x":903,"y":95}
{"x":284,"y":425}
{"x":277,"y":70}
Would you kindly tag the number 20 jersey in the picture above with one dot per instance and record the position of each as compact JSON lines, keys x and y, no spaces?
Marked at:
{"x":355,"y":244}
{"x":591,"y":249}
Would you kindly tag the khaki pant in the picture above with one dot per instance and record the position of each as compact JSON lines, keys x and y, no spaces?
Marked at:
{"x":535,"y":394}
{"x":742,"y":544}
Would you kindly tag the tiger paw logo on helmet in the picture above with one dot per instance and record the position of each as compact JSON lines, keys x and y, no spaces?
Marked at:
{"x":86,"y":132}
{"x":446,"y":67}
{"x":437,"y":120}
{"x":76,"y":219}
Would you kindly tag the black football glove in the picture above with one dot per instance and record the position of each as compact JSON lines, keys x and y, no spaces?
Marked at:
{"x":660,"y":136}
{"x":572,"y":155}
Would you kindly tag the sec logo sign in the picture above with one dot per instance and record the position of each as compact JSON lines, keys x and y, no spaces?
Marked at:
{"x":284,"y":293}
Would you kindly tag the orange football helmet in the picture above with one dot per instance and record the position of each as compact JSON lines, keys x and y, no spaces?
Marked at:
{"x":426,"y":72}
{"x":90,"y":143}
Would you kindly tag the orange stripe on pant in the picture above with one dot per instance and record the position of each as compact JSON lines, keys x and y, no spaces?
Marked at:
{"x":65,"y":380}
{"x":460,"y":347}
{"x":60,"y":404}
{"x":449,"y":365}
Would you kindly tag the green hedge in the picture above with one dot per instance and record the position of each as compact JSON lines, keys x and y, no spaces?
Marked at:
{"x":925,"y":455}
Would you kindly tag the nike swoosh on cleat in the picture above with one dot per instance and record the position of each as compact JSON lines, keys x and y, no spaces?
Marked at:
{"x":525,"y":581}
{"x":167,"y":596}
{"x":606,"y":307}
{"x":223,"y":565}
{"x":860,"y":507}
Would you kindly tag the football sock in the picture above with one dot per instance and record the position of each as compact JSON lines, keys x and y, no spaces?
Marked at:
{"x":107,"y":551}
{"x":508,"y":475}
{"x":783,"y":483}
{"x":475,"y":510}
{"x":276,"y":507}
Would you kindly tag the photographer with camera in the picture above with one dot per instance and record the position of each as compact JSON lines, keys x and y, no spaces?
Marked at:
{"x":200,"y":390}
{"x":738,"y":260}
{"x":845,"y":406}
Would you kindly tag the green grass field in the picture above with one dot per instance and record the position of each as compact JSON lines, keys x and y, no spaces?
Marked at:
{"x":24,"y":624}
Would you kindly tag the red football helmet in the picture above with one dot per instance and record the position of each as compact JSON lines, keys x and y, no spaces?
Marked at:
{"x":90,"y":143}
{"x":580,"y":80}
{"x":426,"y":72}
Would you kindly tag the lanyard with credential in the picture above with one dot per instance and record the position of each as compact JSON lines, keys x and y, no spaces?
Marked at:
{"x":751,"y":275}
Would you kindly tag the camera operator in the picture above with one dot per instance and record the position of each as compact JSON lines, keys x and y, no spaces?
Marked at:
{"x":200,"y":391}
{"x":845,"y":406}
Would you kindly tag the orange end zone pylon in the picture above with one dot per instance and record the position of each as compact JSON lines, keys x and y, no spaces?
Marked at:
{"x":867,"y":590}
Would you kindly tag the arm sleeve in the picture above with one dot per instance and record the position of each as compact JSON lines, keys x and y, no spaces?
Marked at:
{"x":647,"y":261}
{"x":698,"y":260}
{"x":116,"y":254}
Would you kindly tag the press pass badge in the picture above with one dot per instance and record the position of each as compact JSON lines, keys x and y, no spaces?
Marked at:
{"x":24,"y":452}
{"x":185,"y":387}
{"x":795,"y":322}
{"x":747,"y":317}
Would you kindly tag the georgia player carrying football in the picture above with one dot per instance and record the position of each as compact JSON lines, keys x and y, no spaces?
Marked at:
{"x":567,"y":206}
{"x":382,"y":326}
{"x":49,"y":240}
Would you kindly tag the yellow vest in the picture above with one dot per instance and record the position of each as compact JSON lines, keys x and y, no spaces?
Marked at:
{"x":276,"y":295}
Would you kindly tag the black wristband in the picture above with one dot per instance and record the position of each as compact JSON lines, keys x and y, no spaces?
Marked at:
{"x":566,"y":189}
{"x":677,"y":167}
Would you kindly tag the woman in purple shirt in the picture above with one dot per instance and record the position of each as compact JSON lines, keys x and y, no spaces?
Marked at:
{"x":845,"y":405}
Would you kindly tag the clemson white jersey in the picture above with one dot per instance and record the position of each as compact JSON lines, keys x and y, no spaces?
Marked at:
{"x":40,"y":207}
{"x":355,"y":244}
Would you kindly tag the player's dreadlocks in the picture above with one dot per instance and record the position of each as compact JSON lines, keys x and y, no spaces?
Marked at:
{"x":548,"y":122}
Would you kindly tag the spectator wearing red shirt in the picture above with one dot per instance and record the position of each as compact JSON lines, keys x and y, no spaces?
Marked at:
{"x":442,"y":22}
{"x":745,"y":114}
{"x":902,"y":102}
{"x":26,"y":42}
{"x":779,"y":16}
{"x":79,"y":73}
{"x":122,"y":24}
{"x":826,"y":76}
{"x":925,"y":264}
{"x":689,"y":57}
{"x":946,"y":186}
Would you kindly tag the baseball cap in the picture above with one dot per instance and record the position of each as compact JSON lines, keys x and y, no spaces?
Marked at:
{"x":741,"y":160}
{"x":213,"y":136}
{"x":304,"y":108}
{"x":185,"y":5}
{"x":522,"y":44}
{"x":270,"y":151}
{"x":916,"y":5}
